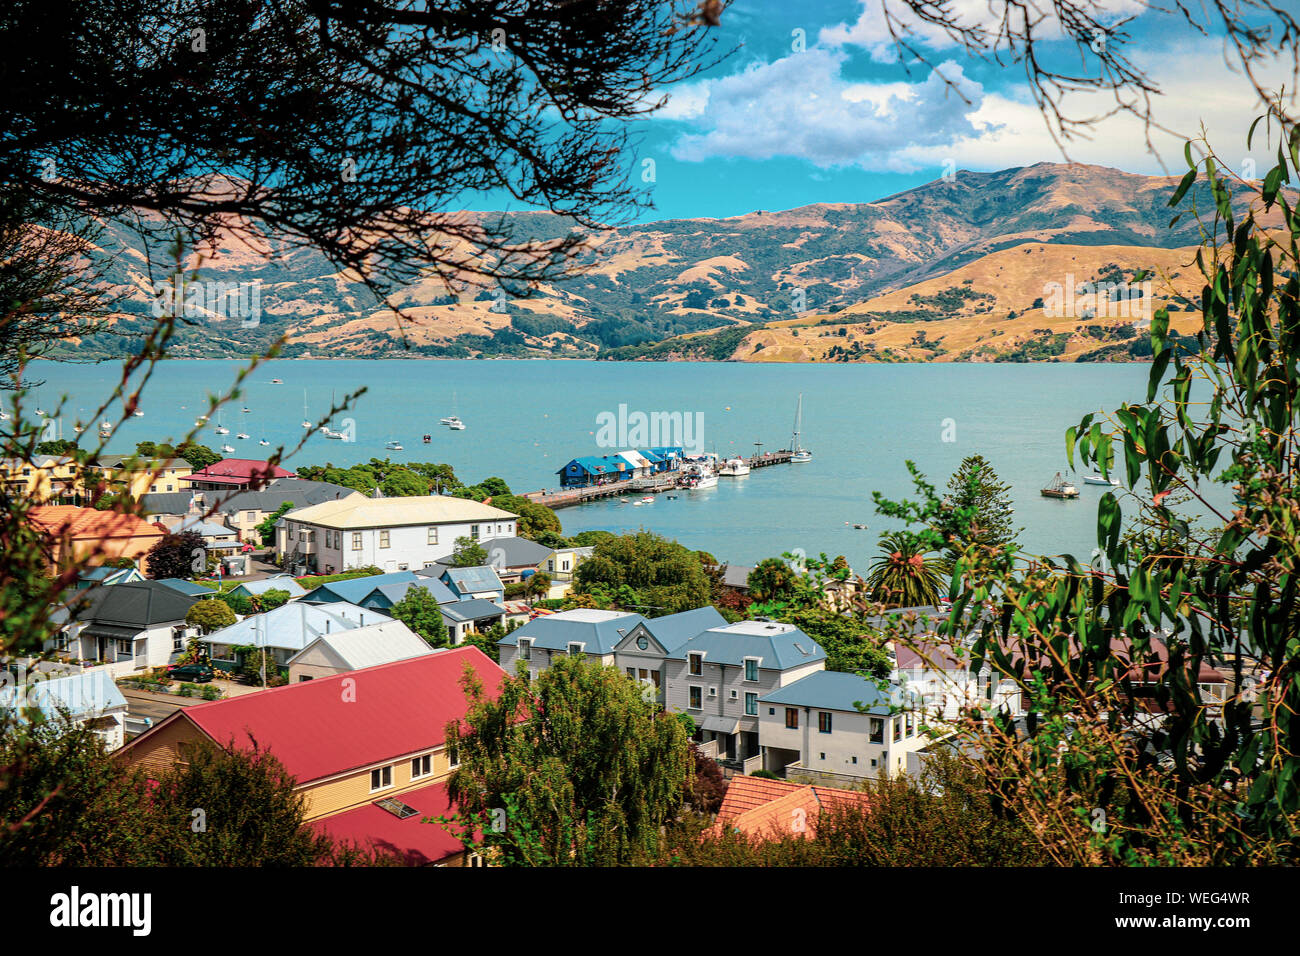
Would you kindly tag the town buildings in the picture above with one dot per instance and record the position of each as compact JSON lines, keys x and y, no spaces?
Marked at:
{"x":242,"y":474}
{"x":92,"y":537}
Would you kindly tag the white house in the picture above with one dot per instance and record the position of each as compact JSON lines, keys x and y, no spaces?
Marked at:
{"x":89,"y":699}
{"x":392,"y":534}
{"x":813,"y":728}
{"x":130,"y":627}
{"x":341,"y":651}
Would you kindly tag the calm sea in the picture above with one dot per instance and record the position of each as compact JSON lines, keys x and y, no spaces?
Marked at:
{"x":526,"y":419}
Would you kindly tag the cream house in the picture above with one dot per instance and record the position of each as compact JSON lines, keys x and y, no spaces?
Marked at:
{"x":392,"y":534}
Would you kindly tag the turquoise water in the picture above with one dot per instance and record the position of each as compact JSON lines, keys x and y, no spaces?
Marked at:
{"x":526,"y":419}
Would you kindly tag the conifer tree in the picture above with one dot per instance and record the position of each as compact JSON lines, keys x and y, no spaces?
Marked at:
{"x":976,"y":489}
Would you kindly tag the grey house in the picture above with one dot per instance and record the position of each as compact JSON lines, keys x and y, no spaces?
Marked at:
{"x":585,"y":631}
{"x":641,"y":654}
{"x":719,"y":675}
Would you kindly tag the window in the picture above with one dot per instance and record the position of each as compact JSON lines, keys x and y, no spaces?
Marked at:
{"x":453,"y":758}
{"x":383,"y":539}
{"x":898,"y":729}
{"x":751,"y":668}
{"x":252,"y":515}
{"x":877,"y":731}
{"x":433,"y":534}
{"x":734,"y":695}
{"x":473,"y":532}
{"x":751,"y":705}
{"x":178,"y":638}
{"x":421,"y":766}
{"x":855,"y":759}
{"x":525,"y":648}
{"x":792,"y":718}
{"x":823,"y":722}
{"x":697,"y":697}
{"x":822,"y":756}
{"x":575,"y":649}
{"x":697,"y":664}
{"x":356,"y":540}
{"x":381,"y":778}
{"x":908,"y":732}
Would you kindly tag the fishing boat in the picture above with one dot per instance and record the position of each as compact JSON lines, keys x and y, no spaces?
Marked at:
{"x":393,"y":445}
{"x":800,"y":454}
{"x":734,"y":468}
{"x":1060,"y":488}
{"x":1099,"y":480}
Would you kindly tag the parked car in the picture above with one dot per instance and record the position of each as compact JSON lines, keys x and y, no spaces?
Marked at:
{"x":197,"y":673}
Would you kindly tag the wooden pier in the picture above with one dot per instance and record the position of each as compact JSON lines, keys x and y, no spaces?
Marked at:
{"x":637,"y":486}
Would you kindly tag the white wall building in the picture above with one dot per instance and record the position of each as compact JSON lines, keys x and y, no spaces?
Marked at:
{"x":392,"y":534}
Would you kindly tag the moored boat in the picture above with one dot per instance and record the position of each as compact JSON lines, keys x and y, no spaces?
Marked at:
{"x":1059,"y":487}
{"x":734,"y":468}
{"x":1099,"y":480}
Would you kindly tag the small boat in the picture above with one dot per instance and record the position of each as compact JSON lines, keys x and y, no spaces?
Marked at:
{"x":138,"y":414}
{"x":734,"y":468}
{"x":331,"y":433}
{"x":227,"y":449}
{"x":1099,"y":480}
{"x":200,"y":421}
{"x":242,"y":435}
{"x":78,"y":428}
{"x":263,"y":441}
{"x":800,"y":454}
{"x":648,"y":499}
{"x":1060,"y":488}
{"x":456,"y":425}
{"x":222,"y":430}
{"x":860,"y":527}
{"x":41,"y":413}
{"x":245,"y":409}
{"x":306,"y":422}
{"x":276,"y":381}
{"x":427,"y":439}
{"x":4,"y":416}
{"x":393,"y":445}
{"x":105,"y":429}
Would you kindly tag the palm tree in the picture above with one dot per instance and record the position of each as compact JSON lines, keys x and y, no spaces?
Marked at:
{"x":904,"y":576}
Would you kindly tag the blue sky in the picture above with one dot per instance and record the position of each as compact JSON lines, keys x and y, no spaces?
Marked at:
{"x":842,"y":120}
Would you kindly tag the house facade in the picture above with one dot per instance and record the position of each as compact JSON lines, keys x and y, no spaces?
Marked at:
{"x":719,"y":676}
{"x":91,"y":536}
{"x":343,"y":651}
{"x":392,"y":534}
{"x":130,"y":627}
{"x":812,"y":728}
{"x":239,"y":474}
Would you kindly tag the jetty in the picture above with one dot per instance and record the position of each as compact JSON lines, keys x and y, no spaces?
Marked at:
{"x":651,"y":484}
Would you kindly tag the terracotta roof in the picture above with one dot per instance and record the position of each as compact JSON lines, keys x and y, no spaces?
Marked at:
{"x":72,"y":522}
{"x":765,"y":811}
{"x":322,"y":727}
{"x":418,"y":844}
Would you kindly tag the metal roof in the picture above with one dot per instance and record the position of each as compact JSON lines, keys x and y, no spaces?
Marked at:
{"x":598,"y":631}
{"x":295,"y":625}
{"x":777,"y":646}
{"x":833,"y":690}
{"x":368,"y":646}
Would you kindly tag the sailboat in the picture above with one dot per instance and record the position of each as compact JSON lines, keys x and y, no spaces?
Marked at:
{"x":306,"y":422}
{"x":801,"y":454}
{"x":221,"y":429}
{"x":242,"y":435}
{"x":227,"y":449}
{"x":452,"y":421}
{"x":328,"y":430}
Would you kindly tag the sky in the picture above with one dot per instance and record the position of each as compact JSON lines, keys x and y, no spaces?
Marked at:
{"x":817,"y":105}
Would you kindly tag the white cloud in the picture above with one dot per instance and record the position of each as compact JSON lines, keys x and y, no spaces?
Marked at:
{"x":801,"y":106}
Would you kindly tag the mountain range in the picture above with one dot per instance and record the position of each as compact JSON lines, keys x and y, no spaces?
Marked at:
{"x":956,"y":270}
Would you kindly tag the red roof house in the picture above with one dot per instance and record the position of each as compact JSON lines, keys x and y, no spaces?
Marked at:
{"x":762,"y":808}
{"x":245,"y":473}
{"x":361,"y":745}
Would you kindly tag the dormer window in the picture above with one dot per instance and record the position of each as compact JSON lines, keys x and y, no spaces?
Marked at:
{"x":575,"y":649}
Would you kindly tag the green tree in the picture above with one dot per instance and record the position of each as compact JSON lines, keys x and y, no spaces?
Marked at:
{"x":581,"y":768}
{"x":772,"y":580}
{"x":272,"y":598}
{"x":645,"y":569}
{"x":200,"y":456}
{"x":468,"y":554}
{"x":983,"y":502}
{"x":233,"y":806}
{"x":850,"y":643}
{"x":535,"y":520}
{"x":904,"y":576}
{"x":537,"y":585}
{"x":419,"y":611}
{"x":266,"y":529}
{"x":402,"y":483}
{"x":181,"y":555}
{"x":210,"y":615}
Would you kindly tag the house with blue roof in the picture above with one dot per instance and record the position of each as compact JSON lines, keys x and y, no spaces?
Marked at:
{"x":356,"y":590}
{"x":590,"y":471}
{"x":475,"y":583}
{"x":88,"y":699}
{"x":276,"y":582}
{"x":719,"y":675}
{"x":89,"y":577}
{"x":286,"y":630}
{"x":587,"y":631}
{"x":829,"y":726}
